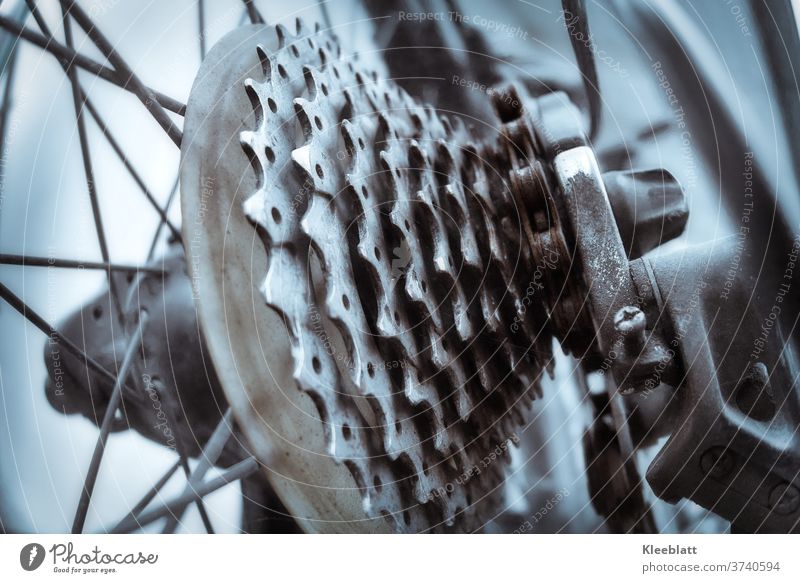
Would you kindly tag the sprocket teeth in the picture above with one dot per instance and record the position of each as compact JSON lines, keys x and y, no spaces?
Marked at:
{"x":405,"y":214}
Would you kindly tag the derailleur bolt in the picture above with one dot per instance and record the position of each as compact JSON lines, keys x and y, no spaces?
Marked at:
{"x":630,"y":322}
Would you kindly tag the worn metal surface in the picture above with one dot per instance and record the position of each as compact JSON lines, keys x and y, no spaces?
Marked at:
{"x":407,"y":277}
{"x":734,"y":447}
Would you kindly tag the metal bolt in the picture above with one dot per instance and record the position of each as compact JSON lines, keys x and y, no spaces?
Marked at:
{"x":784,"y":499}
{"x":753,"y":395}
{"x":630,"y":321}
{"x":716,"y":462}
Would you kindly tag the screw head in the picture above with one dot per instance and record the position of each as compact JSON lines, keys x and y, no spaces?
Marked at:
{"x":630,"y":321}
{"x":784,"y":499}
{"x":716,"y":462}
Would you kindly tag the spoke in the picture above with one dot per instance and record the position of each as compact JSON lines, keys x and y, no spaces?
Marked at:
{"x":7,"y":92}
{"x":103,"y":127}
{"x":214,"y":446}
{"x":253,"y":13}
{"x":123,"y":76}
{"x":238,"y":471}
{"x":35,"y":319}
{"x":91,"y":185}
{"x":166,"y":207}
{"x":152,"y":492}
{"x":138,"y":88}
{"x":27,"y":260}
{"x":131,"y":170}
{"x":75,"y":59}
{"x":584,"y":56}
{"x":105,"y":426}
{"x":184,"y":460}
{"x":208,"y":457}
{"x":201,"y":26}
{"x":181,"y":463}
{"x":175,"y":185}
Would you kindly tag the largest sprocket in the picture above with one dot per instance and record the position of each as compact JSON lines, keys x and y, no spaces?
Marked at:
{"x":403,"y":272}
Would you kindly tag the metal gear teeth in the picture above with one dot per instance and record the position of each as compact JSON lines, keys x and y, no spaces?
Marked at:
{"x":411,"y":233}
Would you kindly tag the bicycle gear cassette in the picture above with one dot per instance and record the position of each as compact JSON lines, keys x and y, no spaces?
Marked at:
{"x":379,"y":285}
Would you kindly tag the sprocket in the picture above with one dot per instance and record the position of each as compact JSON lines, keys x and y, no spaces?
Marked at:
{"x":407,"y":275}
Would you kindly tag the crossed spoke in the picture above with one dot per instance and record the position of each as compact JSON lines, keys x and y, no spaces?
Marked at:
{"x":238,"y":471}
{"x":118,"y":72}
{"x":132,"y":81}
{"x":30,"y":260}
{"x":105,"y":426}
{"x":77,"y":60}
{"x":88,"y":170}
